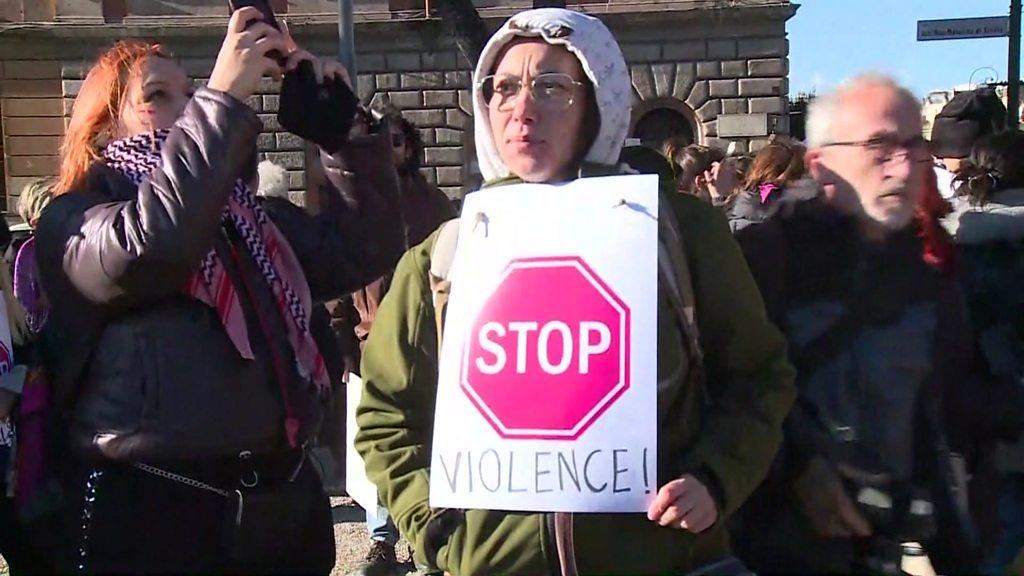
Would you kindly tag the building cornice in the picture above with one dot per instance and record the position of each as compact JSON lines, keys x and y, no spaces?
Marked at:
{"x":160,"y":27}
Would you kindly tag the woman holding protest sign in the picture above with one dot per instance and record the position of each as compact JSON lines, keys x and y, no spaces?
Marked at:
{"x":553,"y":105}
{"x":187,"y":377}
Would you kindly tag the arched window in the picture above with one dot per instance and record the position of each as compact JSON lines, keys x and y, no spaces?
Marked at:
{"x":655,"y":121}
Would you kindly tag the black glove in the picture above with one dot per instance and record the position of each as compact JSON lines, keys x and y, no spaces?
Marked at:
{"x":320,"y":113}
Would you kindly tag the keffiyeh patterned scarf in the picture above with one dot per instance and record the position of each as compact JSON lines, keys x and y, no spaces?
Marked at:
{"x":136,"y":158}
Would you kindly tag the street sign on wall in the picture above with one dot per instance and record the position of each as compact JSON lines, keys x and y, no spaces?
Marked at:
{"x":963,"y":28}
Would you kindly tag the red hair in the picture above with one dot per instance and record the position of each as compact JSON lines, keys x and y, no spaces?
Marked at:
{"x":939,"y":249}
{"x":97,"y":108}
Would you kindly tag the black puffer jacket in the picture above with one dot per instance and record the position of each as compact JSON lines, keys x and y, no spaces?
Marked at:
{"x":143,"y":361}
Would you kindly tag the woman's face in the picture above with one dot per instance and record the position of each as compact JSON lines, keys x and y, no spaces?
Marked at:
{"x":156,"y":97}
{"x":539,"y":141}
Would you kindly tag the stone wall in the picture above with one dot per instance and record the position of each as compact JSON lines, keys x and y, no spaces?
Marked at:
{"x":33,"y":121}
{"x":433,"y":91}
{"x":711,"y":78}
{"x":700,"y":63}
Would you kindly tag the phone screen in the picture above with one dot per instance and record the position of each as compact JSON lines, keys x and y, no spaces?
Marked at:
{"x":262,"y":5}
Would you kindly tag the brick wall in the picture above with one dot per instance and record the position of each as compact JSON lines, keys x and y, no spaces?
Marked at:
{"x":433,"y":91}
{"x":32,"y":122}
{"x":431,"y":88}
{"x":713,"y":77}
{"x":723,"y":62}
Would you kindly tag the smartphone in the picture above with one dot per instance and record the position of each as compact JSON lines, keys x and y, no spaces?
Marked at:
{"x":268,"y":16}
{"x":262,"y":5}
{"x":321,"y":114}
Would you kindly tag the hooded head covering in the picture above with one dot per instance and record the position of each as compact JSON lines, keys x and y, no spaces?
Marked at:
{"x":966,"y":119}
{"x":599,"y":54}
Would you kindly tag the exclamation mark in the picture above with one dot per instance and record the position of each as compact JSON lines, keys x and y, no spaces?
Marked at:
{"x":647,"y":482}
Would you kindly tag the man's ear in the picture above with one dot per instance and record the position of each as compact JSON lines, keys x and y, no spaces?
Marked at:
{"x":826,"y":179}
{"x":816,"y":168}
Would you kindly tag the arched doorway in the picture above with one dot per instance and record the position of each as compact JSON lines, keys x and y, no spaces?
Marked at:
{"x":659,"y":125}
{"x":655,"y":121}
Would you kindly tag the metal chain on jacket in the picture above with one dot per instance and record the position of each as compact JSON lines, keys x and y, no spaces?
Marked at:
{"x":192,"y":483}
{"x":180,"y":479}
{"x":88,"y":506}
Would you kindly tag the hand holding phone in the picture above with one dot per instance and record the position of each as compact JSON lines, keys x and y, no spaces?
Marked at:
{"x":267,"y":17}
{"x":316,"y":101}
{"x":245,"y":56}
{"x":262,"y":5}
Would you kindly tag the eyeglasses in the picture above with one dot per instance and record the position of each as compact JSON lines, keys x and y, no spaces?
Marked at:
{"x":885,"y":149}
{"x":397,"y":139}
{"x":552,"y":90}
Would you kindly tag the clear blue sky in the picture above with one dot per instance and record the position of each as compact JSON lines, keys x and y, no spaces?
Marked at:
{"x":830,"y":40}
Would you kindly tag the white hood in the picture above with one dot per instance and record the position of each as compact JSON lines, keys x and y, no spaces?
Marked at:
{"x":599,"y":55}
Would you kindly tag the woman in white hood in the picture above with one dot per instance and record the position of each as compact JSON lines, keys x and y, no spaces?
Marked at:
{"x":552,"y":103}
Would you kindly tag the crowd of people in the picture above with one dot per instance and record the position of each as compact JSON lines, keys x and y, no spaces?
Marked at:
{"x":840,"y":333}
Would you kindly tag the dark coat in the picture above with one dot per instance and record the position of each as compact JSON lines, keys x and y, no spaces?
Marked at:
{"x":142,"y":360}
{"x":424,"y":209}
{"x":991,"y":238}
{"x":877,"y":337}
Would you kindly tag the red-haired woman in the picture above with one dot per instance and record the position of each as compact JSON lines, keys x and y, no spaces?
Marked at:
{"x":187,"y":375}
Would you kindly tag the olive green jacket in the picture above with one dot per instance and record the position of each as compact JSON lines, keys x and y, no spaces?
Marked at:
{"x":726,"y":433}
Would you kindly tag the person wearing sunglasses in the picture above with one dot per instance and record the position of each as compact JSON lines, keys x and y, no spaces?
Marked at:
{"x":877,"y":336}
{"x":552,"y":101}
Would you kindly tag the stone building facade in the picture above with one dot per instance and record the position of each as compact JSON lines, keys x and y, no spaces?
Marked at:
{"x":712,"y":71}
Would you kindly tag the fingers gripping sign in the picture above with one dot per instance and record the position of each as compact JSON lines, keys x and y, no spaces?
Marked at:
{"x":684,"y":504}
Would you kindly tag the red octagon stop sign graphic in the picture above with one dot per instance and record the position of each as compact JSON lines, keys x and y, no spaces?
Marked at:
{"x":549,"y":351}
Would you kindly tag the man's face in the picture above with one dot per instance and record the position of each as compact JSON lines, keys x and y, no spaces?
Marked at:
{"x":874,"y":168}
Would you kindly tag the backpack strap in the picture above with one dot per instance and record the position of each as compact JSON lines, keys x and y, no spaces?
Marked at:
{"x":441,"y":257}
{"x":674,"y":267}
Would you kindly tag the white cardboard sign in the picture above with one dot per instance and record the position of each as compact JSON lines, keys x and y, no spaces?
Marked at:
{"x":547,"y":391}
{"x":357,"y":485}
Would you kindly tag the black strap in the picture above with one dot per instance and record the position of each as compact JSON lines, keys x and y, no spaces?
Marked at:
{"x":810,"y":357}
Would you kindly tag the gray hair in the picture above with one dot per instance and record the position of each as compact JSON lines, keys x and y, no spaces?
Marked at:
{"x":822,"y":110}
{"x":273,"y":180}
